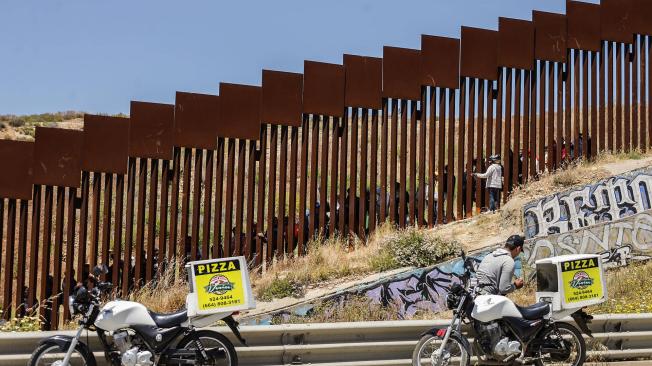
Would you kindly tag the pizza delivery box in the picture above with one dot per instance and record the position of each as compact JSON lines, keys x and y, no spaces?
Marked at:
{"x":219,"y":286}
{"x":571,"y":281}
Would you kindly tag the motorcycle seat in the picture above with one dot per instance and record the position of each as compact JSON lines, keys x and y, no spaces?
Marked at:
{"x":534,"y":312}
{"x":169,"y":320}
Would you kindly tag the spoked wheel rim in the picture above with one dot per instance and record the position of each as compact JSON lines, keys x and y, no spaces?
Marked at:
{"x":210,"y":344}
{"x":53,"y":356}
{"x":453,"y":354}
{"x":573,"y":353}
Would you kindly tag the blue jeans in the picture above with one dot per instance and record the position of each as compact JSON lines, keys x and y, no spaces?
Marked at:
{"x":494,"y":198}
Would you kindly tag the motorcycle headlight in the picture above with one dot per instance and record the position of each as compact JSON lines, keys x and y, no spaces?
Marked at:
{"x":452,"y":301}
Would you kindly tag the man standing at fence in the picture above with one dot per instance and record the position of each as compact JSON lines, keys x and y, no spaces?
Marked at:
{"x":494,"y":177}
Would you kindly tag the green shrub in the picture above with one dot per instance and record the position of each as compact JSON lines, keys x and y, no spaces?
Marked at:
{"x":413,"y":247}
{"x":18,"y":122}
{"x":280,"y":288}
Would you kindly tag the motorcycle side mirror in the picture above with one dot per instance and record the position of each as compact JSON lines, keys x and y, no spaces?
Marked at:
{"x":100,"y":269}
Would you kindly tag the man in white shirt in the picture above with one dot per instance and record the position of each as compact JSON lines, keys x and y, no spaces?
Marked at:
{"x":494,"y":177}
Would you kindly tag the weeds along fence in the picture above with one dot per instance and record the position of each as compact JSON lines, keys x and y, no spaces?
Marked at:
{"x":335,"y":151}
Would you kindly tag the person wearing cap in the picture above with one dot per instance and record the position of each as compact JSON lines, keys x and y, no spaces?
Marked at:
{"x":497,"y":269}
{"x":494,"y":177}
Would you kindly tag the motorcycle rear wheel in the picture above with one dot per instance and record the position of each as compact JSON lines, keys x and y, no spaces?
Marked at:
{"x":455,"y":352}
{"x":211,"y":340}
{"x":573,"y":338}
{"x":49,"y":354}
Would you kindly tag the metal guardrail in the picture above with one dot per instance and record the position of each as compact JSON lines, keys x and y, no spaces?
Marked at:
{"x":358,"y":344}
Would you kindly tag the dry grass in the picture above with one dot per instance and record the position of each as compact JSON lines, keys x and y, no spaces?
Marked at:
{"x":338,"y":259}
{"x":324,"y":260}
{"x":354,"y":309}
{"x":165,"y":295}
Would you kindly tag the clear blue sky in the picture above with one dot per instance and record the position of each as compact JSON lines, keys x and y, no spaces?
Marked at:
{"x":96,"y":56}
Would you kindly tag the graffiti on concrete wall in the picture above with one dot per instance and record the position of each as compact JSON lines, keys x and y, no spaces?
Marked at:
{"x":618,"y":242}
{"x":608,"y":200}
{"x":410,"y":295}
{"x":422,"y":290}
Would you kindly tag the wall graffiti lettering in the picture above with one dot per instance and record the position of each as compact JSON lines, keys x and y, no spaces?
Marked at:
{"x":608,"y":200}
{"x":618,"y":242}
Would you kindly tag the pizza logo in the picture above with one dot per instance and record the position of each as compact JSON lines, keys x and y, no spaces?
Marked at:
{"x":219,"y":285}
{"x":581,"y":280}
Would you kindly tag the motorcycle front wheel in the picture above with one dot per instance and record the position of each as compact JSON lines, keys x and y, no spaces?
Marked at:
{"x":454,"y":353}
{"x":569,"y":340}
{"x":211,"y":340}
{"x":49,"y":354}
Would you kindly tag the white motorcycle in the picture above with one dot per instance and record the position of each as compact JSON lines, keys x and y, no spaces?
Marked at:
{"x":131,"y":335}
{"x":504,"y":333}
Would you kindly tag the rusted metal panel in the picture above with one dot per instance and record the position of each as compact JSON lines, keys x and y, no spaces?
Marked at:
{"x":57,"y":255}
{"x":8,"y":264}
{"x":364,"y":81}
{"x":21,"y":274}
{"x":208,"y":203}
{"x":642,"y":10}
{"x":393,"y":156}
{"x":261,"y":194}
{"x":460,"y":174}
{"x":401,"y":73}
{"x":117,"y":233}
{"x":106,"y":144}
{"x":106,"y":220}
{"x":151,"y":219}
{"x":550,"y":36}
{"x":57,"y":157}
{"x":16,"y":162}
{"x":292,"y":203}
{"x":129,"y":225}
{"x":139,"y":270}
{"x":151,"y":130}
{"x":423,"y":132}
{"x":68,"y":284}
{"x":323,"y":185}
{"x":282,"y":98}
{"x":303,"y":184}
{"x":516,"y":43}
{"x":239,"y":198}
{"x":353,"y":169}
{"x":402,"y":153}
{"x":479,"y":53}
{"x":282,"y":192}
{"x":440,"y":61}
{"x":34,"y":244}
{"x":272,"y":220}
{"x":46,"y":240}
{"x":239,"y":111}
{"x":335,"y":150}
{"x":249,"y":249}
{"x":364,"y":158}
{"x":583,"y":21}
{"x":323,"y":88}
{"x":373,"y":172}
{"x":618,"y":20}
{"x":196,"y":120}
{"x":218,"y":248}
